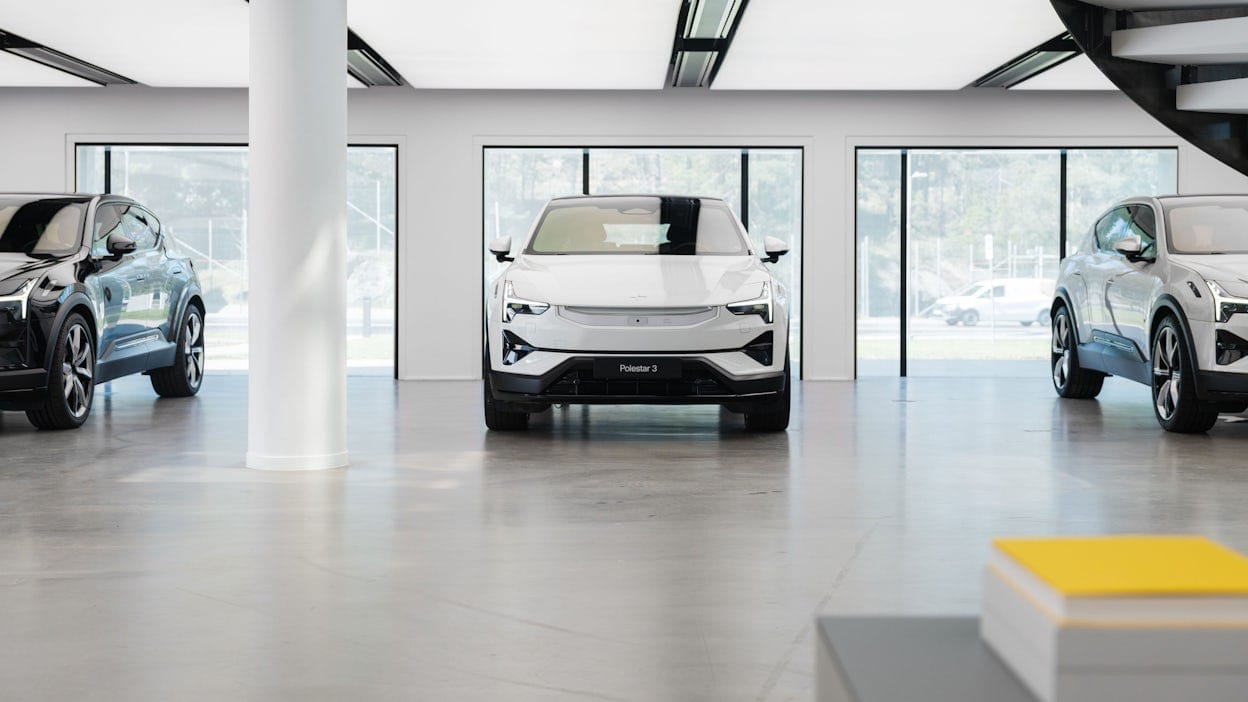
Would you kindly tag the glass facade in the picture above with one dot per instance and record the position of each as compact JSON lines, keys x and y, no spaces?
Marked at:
{"x":958,"y":249}
{"x":200,"y":195}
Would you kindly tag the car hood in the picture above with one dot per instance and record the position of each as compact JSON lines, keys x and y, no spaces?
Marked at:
{"x":624,"y":280}
{"x":1231,"y":270}
{"x":16,"y":269}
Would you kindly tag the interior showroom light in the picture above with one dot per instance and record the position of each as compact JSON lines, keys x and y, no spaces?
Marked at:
{"x":704,"y":31}
{"x":19,"y":72}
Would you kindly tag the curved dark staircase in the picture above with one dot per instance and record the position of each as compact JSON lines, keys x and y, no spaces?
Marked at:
{"x":1184,"y":61}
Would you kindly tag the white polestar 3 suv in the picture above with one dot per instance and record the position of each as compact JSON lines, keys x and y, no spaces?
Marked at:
{"x":1158,"y":293}
{"x":636,"y":299}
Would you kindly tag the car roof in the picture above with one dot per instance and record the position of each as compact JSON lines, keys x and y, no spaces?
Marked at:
{"x":77,"y":197}
{"x":599,"y":197}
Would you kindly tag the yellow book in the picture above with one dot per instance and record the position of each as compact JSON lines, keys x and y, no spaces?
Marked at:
{"x":1121,"y":566}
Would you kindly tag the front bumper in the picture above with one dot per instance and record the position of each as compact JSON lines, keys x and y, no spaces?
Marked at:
{"x":1220,"y":377}
{"x":572,"y":381}
{"x":23,"y":389}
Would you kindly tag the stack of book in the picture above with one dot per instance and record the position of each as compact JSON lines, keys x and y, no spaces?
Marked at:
{"x":1120,"y":618}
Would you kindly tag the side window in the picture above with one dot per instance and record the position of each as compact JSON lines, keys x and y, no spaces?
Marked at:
{"x":998,"y":291}
{"x":1144,"y":225}
{"x":135,"y":226}
{"x":1111,"y":228}
{"x":107,"y":221}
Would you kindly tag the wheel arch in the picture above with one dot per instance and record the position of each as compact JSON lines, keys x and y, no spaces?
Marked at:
{"x":1061,"y":298}
{"x":78,"y":303}
{"x":1167,"y":306}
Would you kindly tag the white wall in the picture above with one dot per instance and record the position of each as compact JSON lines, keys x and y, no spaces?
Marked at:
{"x":440,"y":134}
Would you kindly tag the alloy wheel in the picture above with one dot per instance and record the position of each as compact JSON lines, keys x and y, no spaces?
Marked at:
{"x":1167,"y":372}
{"x":193,"y":350}
{"x":1061,"y":350}
{"x":78,"y":371}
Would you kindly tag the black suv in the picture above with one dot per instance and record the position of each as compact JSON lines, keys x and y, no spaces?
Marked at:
{"x":89,"y":292}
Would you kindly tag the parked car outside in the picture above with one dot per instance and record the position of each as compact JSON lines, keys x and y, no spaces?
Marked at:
{"x":1022,"y":300}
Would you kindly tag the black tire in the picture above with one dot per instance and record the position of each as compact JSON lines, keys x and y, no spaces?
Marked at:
{"x":1043,"y":317}
{"x":71,"y":380}
{"x":952,"y":321}
{"x":1174,"y":393}
{"x":1070,"y":380}
{"x":186,"y":375}
{"x":772,"y":416}
{"x":496,"y":418}
{"x":1026,"y":324}
{"x":970,"y":318}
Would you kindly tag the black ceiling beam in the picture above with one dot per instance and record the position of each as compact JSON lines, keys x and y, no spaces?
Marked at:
{"x":60,"y":61}
{"x":1043,"y":57}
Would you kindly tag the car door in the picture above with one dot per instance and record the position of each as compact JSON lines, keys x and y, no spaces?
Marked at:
{"x":113,"y":284}
{"x":1102,"y":265}
{"x":164,"y":286}
{"x":146,"y":310}
{"x":1133,"y":287}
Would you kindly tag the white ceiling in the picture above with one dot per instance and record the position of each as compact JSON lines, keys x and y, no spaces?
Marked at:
{"x":568,"y":44}
{"x":18,"y":72}
{"x":1078,"y":73}
{"x":200,"y":43}
{"x":885,"y":45}
{"x":589,"y":44}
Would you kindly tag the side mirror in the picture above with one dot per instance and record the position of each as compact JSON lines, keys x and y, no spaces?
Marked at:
{"x":501,"y":247}
{"x":1129,"y":246}
{"x":775,"y":248}
{"x":119,"y":245}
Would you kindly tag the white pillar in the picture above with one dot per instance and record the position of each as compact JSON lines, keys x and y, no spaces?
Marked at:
{"x":297,"y":249}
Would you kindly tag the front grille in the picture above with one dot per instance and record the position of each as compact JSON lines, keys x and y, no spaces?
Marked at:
{"x":646,"y":317}
{"x":695,"y":381}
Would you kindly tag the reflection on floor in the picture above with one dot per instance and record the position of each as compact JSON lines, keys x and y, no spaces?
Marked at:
{"x":610,"y":553}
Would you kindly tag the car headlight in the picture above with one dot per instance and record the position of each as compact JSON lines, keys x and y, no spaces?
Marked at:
{"x":15,"y":304}
{"x":1225,"y":304}
{"x":513,"y":305}
{"x":761,"y":305}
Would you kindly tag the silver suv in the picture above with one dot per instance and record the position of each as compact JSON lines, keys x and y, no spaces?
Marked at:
{"x":1158,"y":292}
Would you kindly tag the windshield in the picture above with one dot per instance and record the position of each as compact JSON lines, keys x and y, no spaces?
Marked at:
{"x":670,"y":226}
{"x":1209,"y":226}
{"x":47,"y":227}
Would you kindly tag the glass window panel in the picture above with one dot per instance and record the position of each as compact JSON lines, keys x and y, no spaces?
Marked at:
{"x":669,"y":171}
{"x":776,"y":210}
{"x":200,"y":195}
{"x":983,"y":236}
{"x":372,"y":221}
{"x":1097,"y":178}
{"x":878,"y":226}
{"x":517,"y":184}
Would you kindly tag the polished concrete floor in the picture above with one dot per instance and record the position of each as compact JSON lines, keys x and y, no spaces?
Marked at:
{"x":607,"y":554}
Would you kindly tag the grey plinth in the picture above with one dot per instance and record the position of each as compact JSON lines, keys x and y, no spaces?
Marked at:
{"x":910,"y":659}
